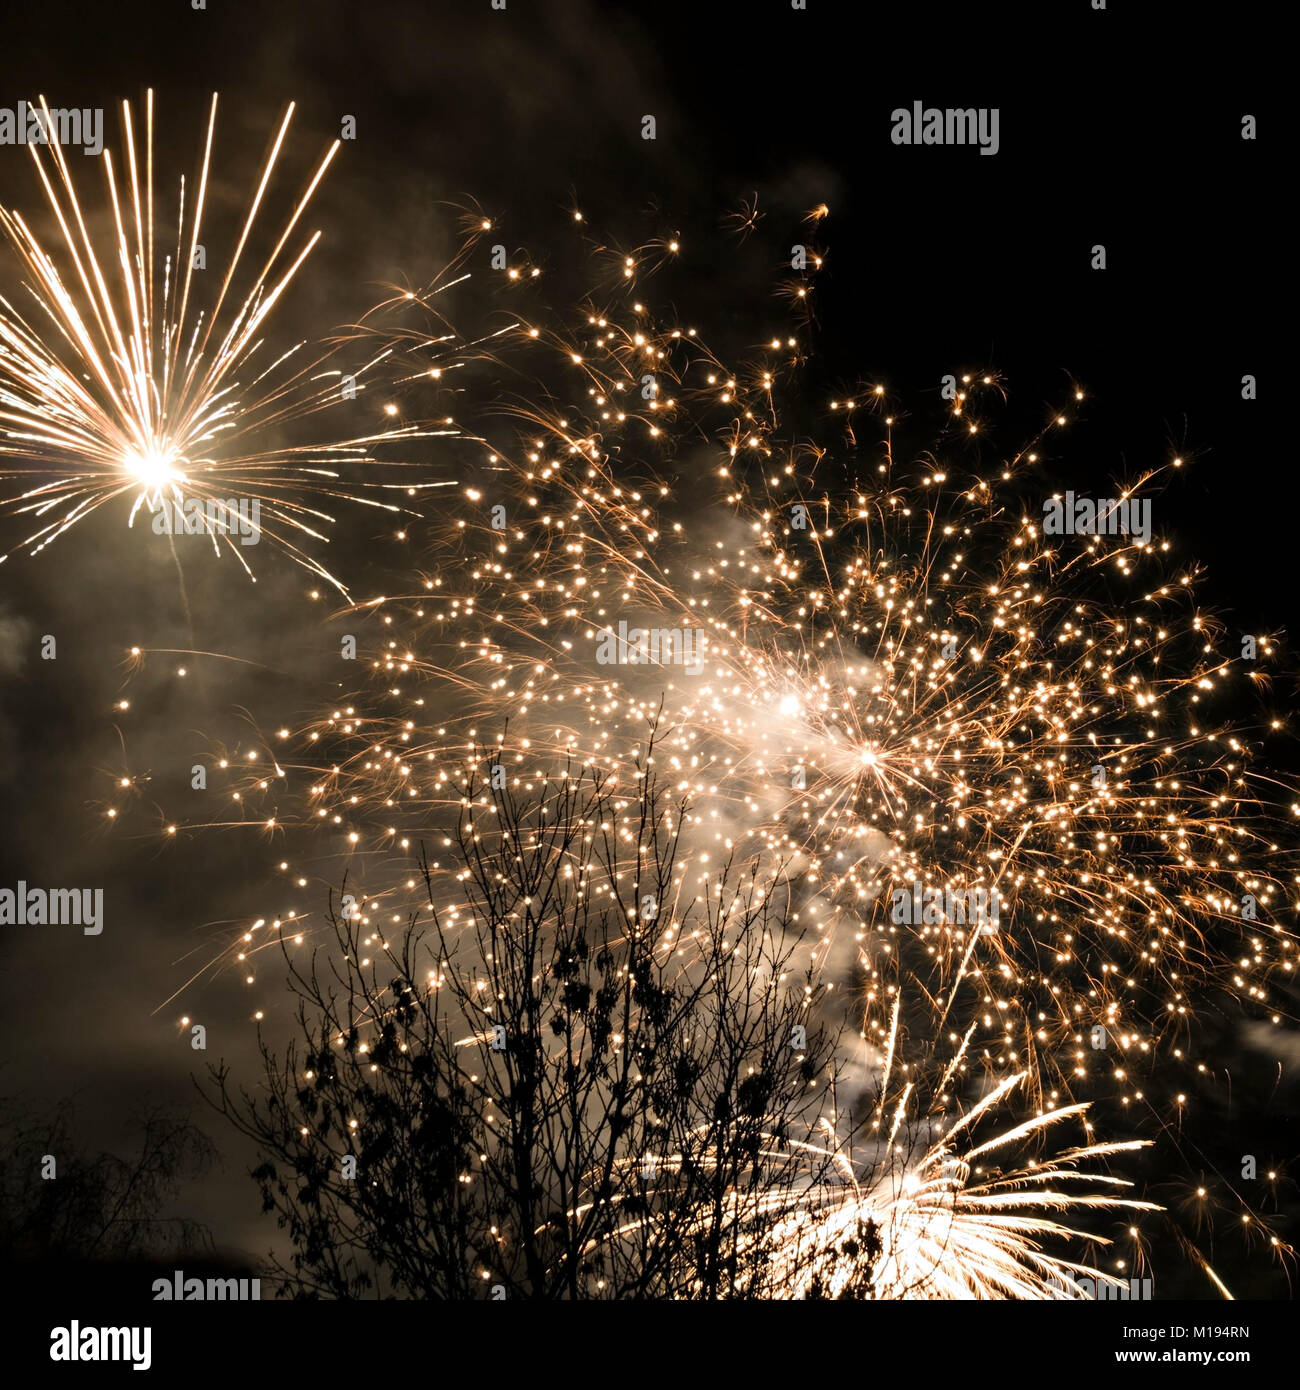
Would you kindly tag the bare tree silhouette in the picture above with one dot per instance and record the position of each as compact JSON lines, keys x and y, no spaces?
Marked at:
{"x":584,"y":1079}
{"x":62,"y":1203}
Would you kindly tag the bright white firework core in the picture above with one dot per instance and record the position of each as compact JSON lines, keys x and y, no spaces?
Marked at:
{"x":153,"y":467}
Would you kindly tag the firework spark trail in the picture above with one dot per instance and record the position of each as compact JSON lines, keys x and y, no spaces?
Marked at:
{"x":946,"y":1219}
{"x":119,"y":386}
{"x":905,"y":682}
{"x":944,"y":1236}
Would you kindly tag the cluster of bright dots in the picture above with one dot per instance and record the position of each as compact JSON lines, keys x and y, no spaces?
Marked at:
{"x":901,"y":688}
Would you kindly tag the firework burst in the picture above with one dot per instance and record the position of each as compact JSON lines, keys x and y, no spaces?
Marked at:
{"x":130,"y":378}
{"x":952,"y":1225}
{"x":897,"y":684}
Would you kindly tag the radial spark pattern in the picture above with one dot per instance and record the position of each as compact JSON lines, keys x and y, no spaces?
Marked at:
{"x":130,"y":376}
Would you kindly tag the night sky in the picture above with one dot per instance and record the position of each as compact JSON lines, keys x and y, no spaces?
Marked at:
{"x":1113,"y":129}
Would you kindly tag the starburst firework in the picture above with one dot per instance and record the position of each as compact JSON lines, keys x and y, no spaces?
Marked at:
{"x":129,"y":378}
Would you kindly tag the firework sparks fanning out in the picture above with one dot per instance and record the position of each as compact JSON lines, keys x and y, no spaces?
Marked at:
{"x":945,"y":1236}
{"x":132,"y":380}
{"x":879,"y":678}
{"x":941,"y":1220}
